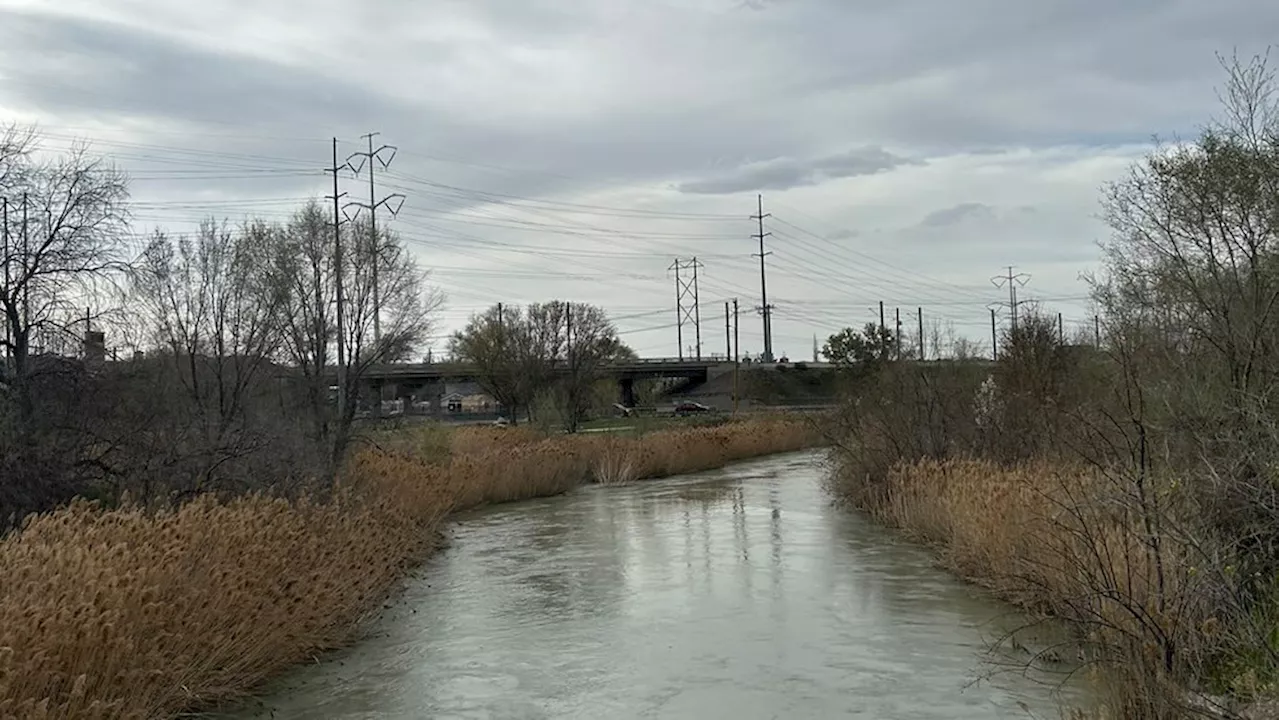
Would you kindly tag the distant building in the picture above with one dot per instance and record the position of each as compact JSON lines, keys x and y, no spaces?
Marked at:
{"x":476,"y":402}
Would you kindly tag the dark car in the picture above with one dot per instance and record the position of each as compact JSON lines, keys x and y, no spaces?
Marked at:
{"x":691,"y":408}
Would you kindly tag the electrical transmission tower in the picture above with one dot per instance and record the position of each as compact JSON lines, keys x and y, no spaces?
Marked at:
{"x":766,"y":310}
{"x":1014,"y":282}
{"x":393,"y":202}
{"x":687,"y":309}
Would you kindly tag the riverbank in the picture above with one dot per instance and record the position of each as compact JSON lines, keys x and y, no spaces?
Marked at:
{"x":738,"y":593}
{"x":126,"y":613}
{"x":1069,"y":543}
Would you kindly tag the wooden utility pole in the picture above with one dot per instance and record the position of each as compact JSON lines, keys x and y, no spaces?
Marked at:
{"x":897,"y":334}
{"x":26,"y":278}
{"x":728,"y":341}
{"x":337,"y":279}
{"x":568,"y":336}
{"x":4,"y":257}
{"x":920,"y":329}
{"x":880,"y":340}
{"x":995,"y":347}
{"x":1059,"y":328}
{"x":736,"y":361}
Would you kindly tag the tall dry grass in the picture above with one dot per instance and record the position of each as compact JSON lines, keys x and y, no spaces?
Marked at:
{"x":1151,"y":604}
{"x":126,"y":613}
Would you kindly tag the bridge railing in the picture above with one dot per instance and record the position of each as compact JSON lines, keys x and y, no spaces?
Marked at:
{"x":674,"y":360}
{"x":446,"y":367}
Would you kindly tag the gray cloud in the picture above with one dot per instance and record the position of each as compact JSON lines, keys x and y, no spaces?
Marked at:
{"x":843,"y":235}
{"x":958,"y":214}
{"x":98,"y":68}
{"x":788,"y":173}
{"x":569,"y":98}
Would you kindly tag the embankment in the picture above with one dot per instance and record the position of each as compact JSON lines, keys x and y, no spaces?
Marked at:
{"x":126,"y":613}
{"x":1159,"y":612}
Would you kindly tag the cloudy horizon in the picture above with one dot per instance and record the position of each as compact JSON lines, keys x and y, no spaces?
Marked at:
{"x":573,"y":150}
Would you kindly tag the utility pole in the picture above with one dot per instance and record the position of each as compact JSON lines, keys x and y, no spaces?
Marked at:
{"x":920,"y":329}
{"x":815,"y":347}
{"x":687,"y":302}
{"x":337,"y":278}
{"x":568,"y":336}
{"x":736,"y":361}
{"x":26,"y":278}
{"x":728,"y":341}
{"x":897,"y":334}
{"x":1097,"y":333}
{"x":1059,"y":328}
{"x":502,"y":332}
{"x":766,"y":309}
{"x":995,"y":346}
{"x":1014,"y":282}
{"x":880,"y":339}
{"x":375,"y":246}
{"x":8,"y":329}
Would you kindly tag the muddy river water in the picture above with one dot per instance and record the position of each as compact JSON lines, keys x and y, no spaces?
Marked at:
{"x":738,"y":593}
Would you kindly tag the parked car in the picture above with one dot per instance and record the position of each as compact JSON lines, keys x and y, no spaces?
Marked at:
{"x":501,"y":422}
{"x":691,"y":408}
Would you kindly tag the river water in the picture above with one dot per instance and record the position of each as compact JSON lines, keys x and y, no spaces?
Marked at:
{"x":738,"y":593}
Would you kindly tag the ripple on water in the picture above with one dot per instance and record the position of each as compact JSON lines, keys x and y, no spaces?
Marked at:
{"x":739,"y":593}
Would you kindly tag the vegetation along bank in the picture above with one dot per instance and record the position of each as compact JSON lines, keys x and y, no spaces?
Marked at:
{"x":1124,"y":484}
{"x":133,"y":613}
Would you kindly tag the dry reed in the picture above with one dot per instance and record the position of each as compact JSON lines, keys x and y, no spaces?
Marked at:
{"x":126,"y":613}
{"x":1077,"y":545}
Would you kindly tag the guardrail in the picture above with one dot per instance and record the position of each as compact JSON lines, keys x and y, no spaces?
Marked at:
{"x":449,"y":367}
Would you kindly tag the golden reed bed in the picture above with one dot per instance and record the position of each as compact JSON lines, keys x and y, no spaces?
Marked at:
{"x":131,"y":614}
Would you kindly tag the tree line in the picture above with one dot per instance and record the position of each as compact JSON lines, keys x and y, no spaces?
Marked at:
{"x":553,"y":351}
{"x":242,"y":331}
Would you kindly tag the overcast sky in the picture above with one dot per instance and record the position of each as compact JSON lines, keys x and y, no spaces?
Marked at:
{"x":907,"y":151}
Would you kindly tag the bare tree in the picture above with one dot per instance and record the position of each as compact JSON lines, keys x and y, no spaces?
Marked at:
{"x":303,"y":272}
{"x":64,"y":229}
{"x":405,"y":304}
{"x":1191,"y":288}
{"x":580,"y":340}
{"x":1187,"y":433}
{"x":513,"y":356}
{"x":212,"y":303}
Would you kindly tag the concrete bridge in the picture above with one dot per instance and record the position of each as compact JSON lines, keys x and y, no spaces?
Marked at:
{"x":427,"y":380}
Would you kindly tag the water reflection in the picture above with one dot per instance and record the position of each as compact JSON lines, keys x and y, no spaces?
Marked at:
{"x":736,"y":593}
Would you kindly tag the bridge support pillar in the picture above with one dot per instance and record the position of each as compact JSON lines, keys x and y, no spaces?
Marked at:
{"x":627,"y":392}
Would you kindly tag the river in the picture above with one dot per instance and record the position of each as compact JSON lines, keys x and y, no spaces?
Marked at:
{"x":737,"y":593}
